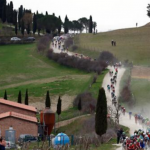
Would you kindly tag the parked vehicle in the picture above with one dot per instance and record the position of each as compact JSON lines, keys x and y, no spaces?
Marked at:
{"x":9,"y":145}
{"x":30,"y":39}
{"x":15,"y":39}
{"x":26,"y":138}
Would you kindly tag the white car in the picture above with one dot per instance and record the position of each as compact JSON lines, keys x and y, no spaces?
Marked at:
{"x":15,"y":39}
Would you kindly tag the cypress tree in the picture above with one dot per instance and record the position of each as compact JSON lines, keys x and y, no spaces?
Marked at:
{"x":34,"y":23}
{"x":22,"y":27}
{"x":26,"y":98}
{"x":59,"y":107}
{"x":20,"y":15}
{"x":28,"y":28}
{"x":4,"y":11}
{"x":101,"y":113}
{"x":59,"y":25}
{"x":48,"y":101}
{"x":5,"y":95}
{"x":11,"y":12}
{"x":19,"y":97}
{"x":15,"y":21}
{"x":46,"y":13}
{"x":90,"y":25}
{"x":8,"y":13}
{"x":37,"y":13}
{"x":2,"y":2}
{"x":14,"y":17}
{"x":66,"y":25}
{"x":16,"y":29}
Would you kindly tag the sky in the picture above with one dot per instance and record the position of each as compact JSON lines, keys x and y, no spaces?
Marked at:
{"x":109,"y":14}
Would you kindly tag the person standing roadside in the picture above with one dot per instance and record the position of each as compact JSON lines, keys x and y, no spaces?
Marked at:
{"x":112,"y":42}
{"x":118,"y":136}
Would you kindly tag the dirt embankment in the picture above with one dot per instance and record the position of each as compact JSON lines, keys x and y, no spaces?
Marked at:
{"x":141,"y":72}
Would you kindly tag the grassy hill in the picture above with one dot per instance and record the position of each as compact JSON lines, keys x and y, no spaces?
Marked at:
{"x":21,"y":68}
{"x":132,"y":44}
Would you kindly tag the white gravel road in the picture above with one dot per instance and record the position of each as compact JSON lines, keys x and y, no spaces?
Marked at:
{"x":124,"y":119}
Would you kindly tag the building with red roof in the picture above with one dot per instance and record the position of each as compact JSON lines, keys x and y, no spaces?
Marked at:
{"x":21,"y":117}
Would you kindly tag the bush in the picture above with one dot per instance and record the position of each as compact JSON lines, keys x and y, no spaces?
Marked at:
{"x":43,"y":43}
{"x":79,"y":63}
{"x":107,"y":57}
{"x":88,"y":102}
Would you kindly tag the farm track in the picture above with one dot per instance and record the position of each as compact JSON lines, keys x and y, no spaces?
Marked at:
{"x":46,"y":80}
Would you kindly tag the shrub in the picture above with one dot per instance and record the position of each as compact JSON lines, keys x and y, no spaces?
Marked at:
{"x":43,"y":43}
{"x":88,"y":102}
{"x":79,"y":63}
{"x":107,"y":57}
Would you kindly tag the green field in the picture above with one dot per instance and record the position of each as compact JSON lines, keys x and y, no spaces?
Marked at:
{"x":22,"y":68}
{"x":132,"y":44}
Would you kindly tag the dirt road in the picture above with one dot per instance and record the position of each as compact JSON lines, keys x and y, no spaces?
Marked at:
{"x":124,"y":119}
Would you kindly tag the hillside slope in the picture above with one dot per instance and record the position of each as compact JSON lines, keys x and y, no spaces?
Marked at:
{"x":132,"y":44}
{"x":22,"y":68}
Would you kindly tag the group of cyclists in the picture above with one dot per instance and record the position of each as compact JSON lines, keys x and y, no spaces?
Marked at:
{"x":140,"y":140}
{"x":113,"y":80}
{"x":58,"y":42}
{"x":140,"y":119}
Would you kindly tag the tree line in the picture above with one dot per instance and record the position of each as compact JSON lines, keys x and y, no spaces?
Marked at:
{"x":24,"y":20}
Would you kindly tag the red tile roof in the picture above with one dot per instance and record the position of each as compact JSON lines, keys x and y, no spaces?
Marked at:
{"x":17,"y":115}
{"x":15,"y":104}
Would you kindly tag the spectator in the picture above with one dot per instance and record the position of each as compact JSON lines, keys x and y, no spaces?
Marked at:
{"x":2,"y":144}
{"x":112,"y":42}
{"x":118,"y":136}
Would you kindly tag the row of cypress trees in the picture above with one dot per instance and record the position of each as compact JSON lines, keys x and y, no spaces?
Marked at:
{"x":26,"y":101}
{"x":23,"y":19}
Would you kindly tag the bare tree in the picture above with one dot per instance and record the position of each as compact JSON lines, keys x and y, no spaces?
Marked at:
{"x":115,"y":113}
